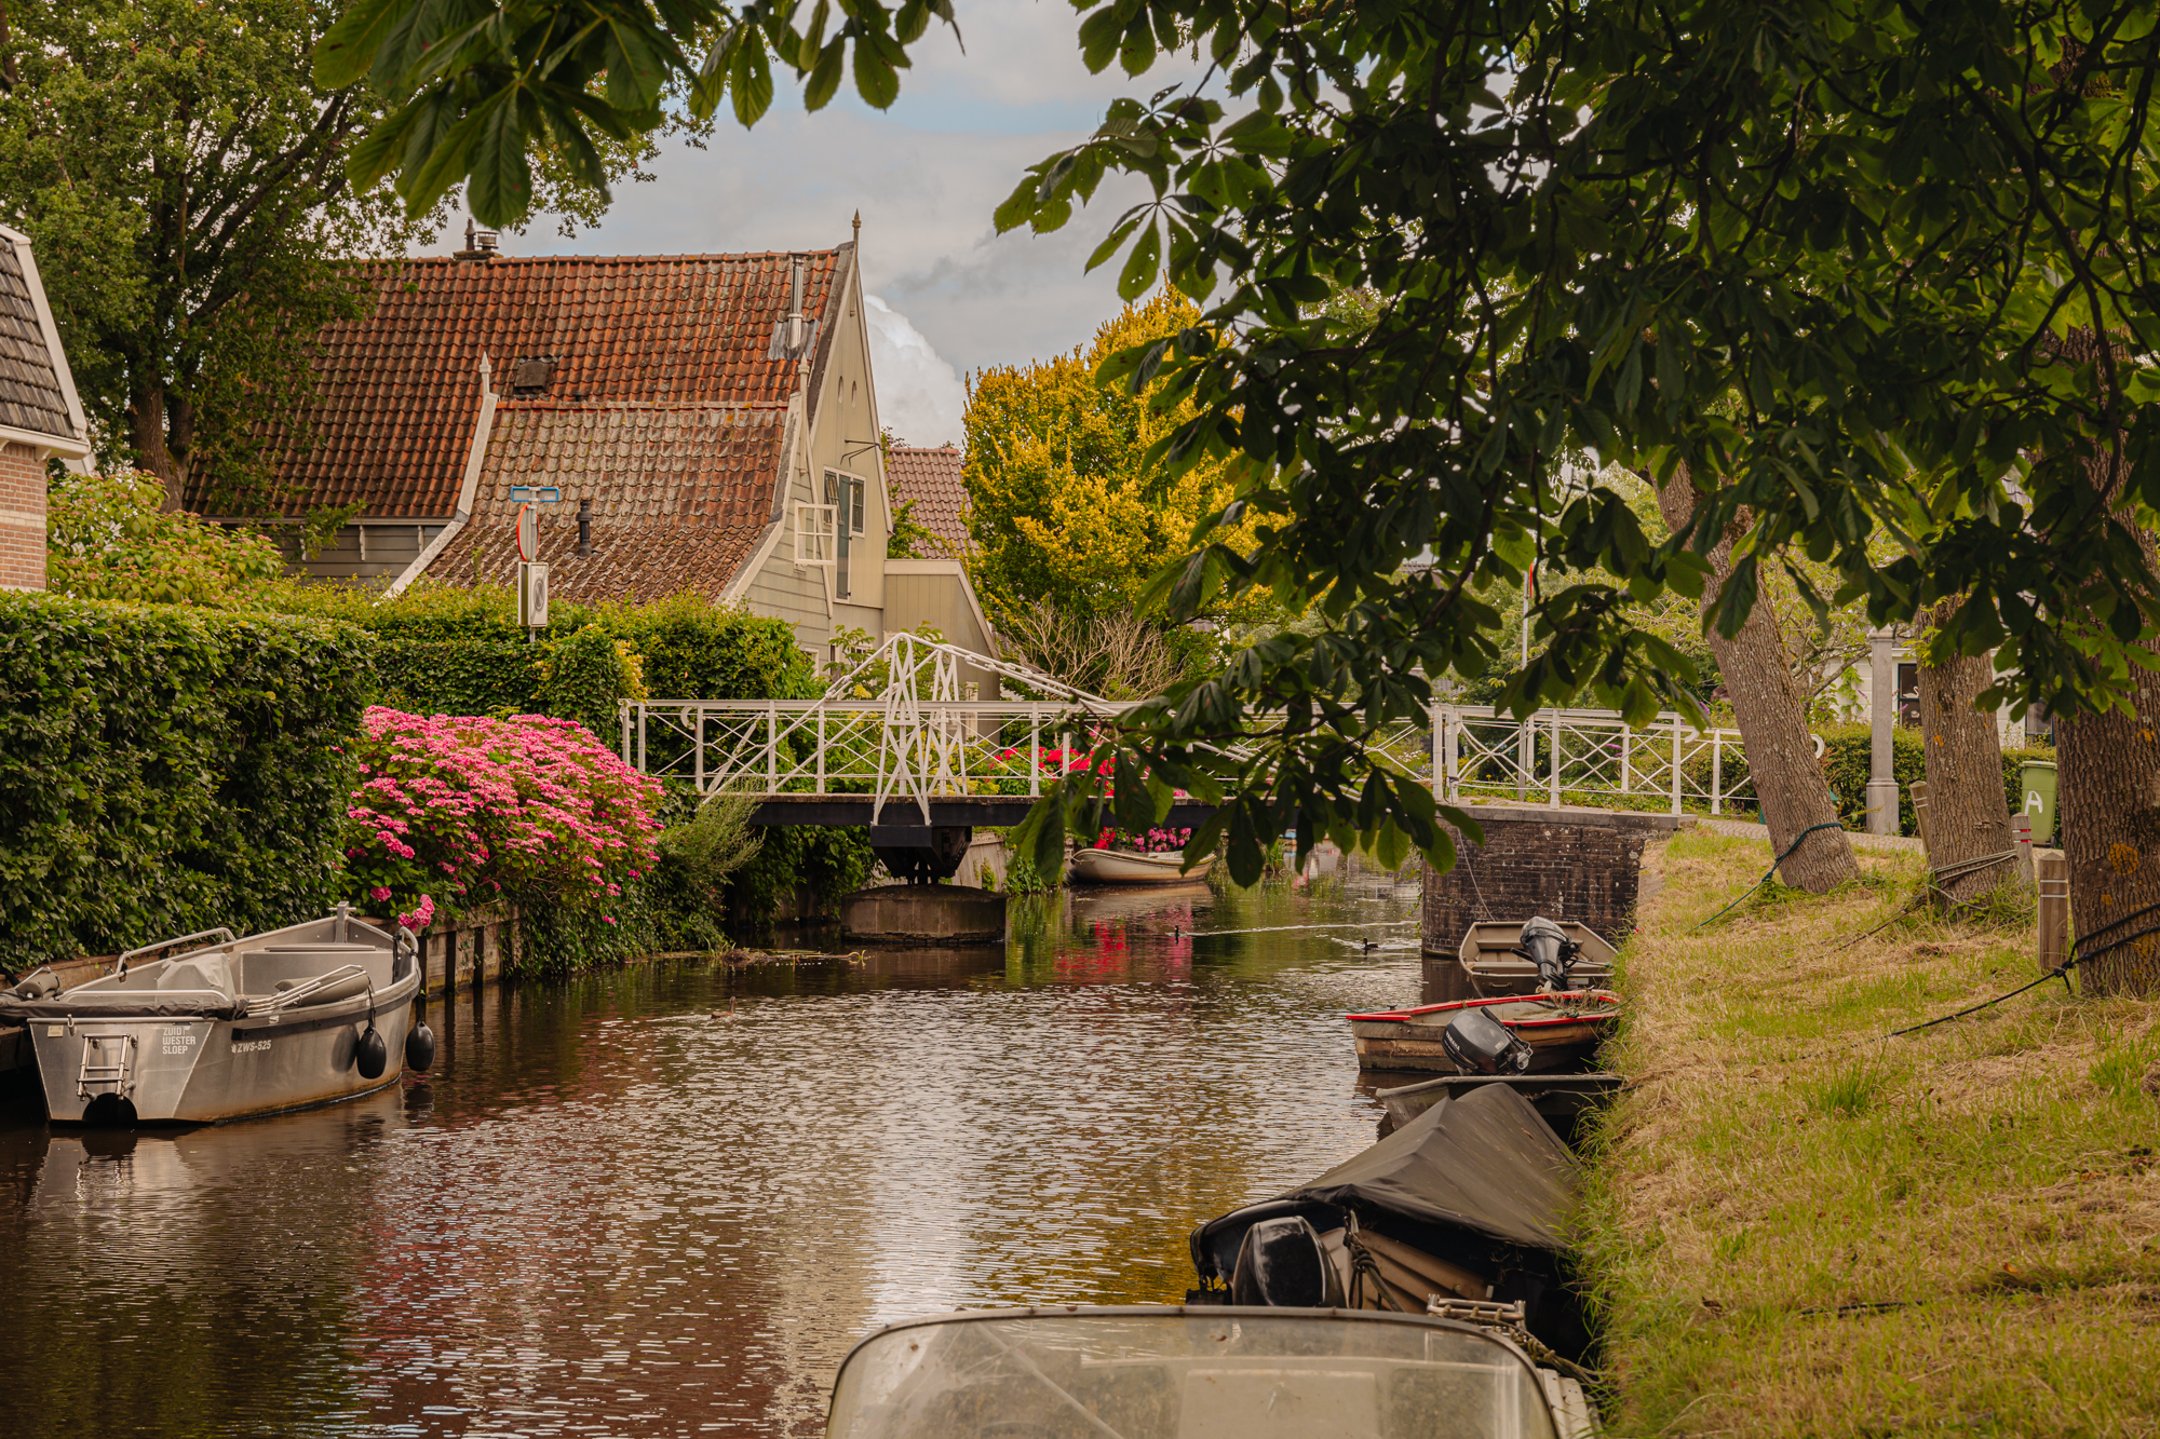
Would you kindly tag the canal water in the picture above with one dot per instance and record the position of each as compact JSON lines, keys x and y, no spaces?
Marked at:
{"x":666,"y":1200}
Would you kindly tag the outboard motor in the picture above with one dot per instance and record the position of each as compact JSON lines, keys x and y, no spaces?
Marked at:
{"x":1548,"y":947}
{"x":1480,"y":1044}
{"x":1280,"y":1264}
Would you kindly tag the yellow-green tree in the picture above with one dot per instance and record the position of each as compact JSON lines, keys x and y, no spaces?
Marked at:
{"x":1064,"y":508}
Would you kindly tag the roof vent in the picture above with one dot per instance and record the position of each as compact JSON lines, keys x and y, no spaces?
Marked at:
{"x":532,"y":375}
{"x":479,"y":244}
{"x":793,"y":332}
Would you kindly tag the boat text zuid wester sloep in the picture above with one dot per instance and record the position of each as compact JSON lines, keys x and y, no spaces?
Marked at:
{"x":211,"y":1027}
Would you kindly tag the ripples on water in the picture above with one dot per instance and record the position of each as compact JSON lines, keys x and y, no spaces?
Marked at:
{"x":666,"y":1200}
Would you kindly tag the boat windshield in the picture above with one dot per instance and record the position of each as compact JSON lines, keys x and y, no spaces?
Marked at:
{"x":1170,"y":1374}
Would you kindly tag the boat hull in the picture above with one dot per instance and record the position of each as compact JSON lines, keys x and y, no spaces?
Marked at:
{"x":1117,"y":866}
{"x":204,"y":1070}
{"x":1562,"y":1032}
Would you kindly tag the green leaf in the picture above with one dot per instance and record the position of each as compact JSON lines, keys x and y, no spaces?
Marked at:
{"x":1142,"y":265}
{"x":750,"y":82}
{"x":876,"y":80}
{"x":348,"y":48}
{"x":824,"y":80}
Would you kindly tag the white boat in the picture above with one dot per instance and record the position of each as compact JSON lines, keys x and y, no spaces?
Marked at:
{"x":210,"y":1027}
{"x":1198,"y":1372}
{"x":1125,"y":866}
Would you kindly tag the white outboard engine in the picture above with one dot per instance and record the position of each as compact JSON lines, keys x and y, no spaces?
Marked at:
{"x":1547,"y":946}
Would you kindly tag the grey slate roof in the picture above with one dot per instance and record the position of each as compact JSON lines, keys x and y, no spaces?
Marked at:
{"x":31,"y":395}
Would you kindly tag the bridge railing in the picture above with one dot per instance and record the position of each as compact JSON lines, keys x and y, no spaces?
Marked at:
{"x":1591,"y":757}
{"x":923,"y":749}
{"x":917,"y":750}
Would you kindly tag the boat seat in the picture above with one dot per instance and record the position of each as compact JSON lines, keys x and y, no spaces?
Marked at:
{"x":199,"y":972}
{"x":346,"y":988}
{"x":275,"y":970}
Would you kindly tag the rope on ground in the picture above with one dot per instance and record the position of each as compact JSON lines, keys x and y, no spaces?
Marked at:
{"x":1934,"y":886}
{"x":2078,"y":955}
{"x":1772,"y":870}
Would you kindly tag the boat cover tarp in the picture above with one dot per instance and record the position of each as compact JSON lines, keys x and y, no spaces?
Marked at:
{"x":147,"y":1004}
{"x":1481,"y":1160}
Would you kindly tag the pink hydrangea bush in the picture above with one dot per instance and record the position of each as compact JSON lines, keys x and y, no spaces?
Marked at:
{"x":457,"y":811}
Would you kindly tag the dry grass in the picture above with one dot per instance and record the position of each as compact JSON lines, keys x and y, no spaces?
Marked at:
{"x":1796,"y":1227}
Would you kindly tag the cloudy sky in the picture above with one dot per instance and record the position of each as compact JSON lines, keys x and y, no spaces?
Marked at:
{"x":949,"y":295}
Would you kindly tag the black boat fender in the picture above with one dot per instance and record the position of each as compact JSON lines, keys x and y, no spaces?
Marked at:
{"x":419,"y":1048}
{"x":371,"y":1054}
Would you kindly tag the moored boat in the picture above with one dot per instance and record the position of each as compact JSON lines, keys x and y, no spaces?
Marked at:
{"x":211,"y":1027}
{"x":1562,"y":1030}
{"x":1072,"y":1371}
{"x":1125,"y":866}
{"x":1499,"y":957}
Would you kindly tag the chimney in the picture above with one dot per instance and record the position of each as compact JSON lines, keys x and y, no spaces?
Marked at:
{"x":479,"y":244}
{"x":794,"y":308}
{"x":584,"y":527}
{"x":791,"y":334}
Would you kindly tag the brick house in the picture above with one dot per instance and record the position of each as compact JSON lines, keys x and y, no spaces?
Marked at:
{"x":40,"y":417}
{"x":684,"y":423}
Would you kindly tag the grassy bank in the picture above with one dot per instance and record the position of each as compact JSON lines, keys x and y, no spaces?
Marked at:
{"x":1797,"y":1228}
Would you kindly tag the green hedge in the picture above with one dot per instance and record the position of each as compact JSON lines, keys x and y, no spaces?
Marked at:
{"x":442,"y":650}
{"x":1848,"y":752}
{"x":167,"y":768}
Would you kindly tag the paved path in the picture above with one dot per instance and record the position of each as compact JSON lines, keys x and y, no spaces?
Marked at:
{"x":1748,"y":830}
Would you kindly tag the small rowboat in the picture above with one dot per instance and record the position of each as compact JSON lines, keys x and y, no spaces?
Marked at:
{"x":1125,"y":866}
{"x":1494,"y":963}
{"x":1562,"y":1030}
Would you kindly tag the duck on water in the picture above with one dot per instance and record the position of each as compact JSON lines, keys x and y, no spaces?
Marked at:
{"x":211,"y":1027}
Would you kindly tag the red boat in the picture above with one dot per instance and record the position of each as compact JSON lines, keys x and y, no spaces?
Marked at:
{"x":1562,"y":1030}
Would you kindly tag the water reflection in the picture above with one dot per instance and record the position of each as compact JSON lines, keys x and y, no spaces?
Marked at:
{"x":666,"y":1200}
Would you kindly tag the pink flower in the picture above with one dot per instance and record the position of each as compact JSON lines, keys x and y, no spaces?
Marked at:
{"x":379,"y":893}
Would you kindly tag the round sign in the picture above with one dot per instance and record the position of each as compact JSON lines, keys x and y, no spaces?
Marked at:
{"x":528,"y":533}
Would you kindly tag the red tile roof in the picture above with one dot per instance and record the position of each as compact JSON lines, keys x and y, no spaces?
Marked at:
{"x":931,"y":479}
{"x":397,"y":392}
{"x":680,"y":494}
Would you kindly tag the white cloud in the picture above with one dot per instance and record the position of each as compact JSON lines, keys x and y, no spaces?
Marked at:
{"x":920,"y":397}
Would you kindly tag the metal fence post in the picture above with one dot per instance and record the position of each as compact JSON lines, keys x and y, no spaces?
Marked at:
{"x":1627,"y":779}
{"x":1552,"y":784}
{"x":821,"y":749}
{"x":642,"y":755}
{"x":1034,"y":753}
{"x":772,"y":746}
{"x":1676,"y":764}
{"x":624,"y":707}
{"x":1437,"y":720}
{"x":1717,"y":766}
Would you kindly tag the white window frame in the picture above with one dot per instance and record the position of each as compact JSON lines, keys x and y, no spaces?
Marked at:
{"x":816,"y":534}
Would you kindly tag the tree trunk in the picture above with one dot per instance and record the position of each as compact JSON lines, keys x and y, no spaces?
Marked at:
{"x":146,"y":429}
{"x":1772,"y":711}
{"x":1968,"y":815}
{"x":2109,"y":788}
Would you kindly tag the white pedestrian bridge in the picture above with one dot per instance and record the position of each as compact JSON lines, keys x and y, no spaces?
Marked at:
{"x":903,"y":740}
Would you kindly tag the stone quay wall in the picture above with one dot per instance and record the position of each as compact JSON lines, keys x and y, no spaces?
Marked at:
{"x":1563,"y":863}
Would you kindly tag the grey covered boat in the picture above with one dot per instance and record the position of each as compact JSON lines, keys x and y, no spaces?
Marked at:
{"x":210,"y":1027}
